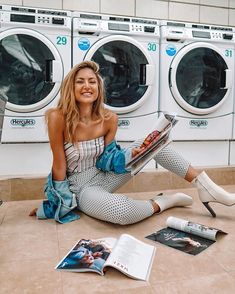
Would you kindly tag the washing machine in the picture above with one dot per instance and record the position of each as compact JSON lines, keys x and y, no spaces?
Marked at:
{"x":127,"y":50}
{"x":232,"y":142}
{"x":196,"y":83}
{"x":35,"y":55}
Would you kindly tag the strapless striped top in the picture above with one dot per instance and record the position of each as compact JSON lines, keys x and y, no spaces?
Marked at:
{"x":83,"y":155}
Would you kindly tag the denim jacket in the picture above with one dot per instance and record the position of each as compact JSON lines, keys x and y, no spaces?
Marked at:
{"x":114,"y":158}
{"x":60,"y":202}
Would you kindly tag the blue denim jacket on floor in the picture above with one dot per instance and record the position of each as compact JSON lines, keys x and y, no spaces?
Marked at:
{"x":61,"y":201}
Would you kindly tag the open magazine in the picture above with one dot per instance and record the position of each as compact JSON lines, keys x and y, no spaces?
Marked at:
{"x":127,"y":254}
{"x":153,"y":143}
{"x":186,"y":236}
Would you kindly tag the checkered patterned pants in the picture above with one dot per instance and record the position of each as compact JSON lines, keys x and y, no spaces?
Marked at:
{"x":95,"y":195}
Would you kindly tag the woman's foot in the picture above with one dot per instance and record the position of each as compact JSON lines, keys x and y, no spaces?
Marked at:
{"x":166,"y":201}
{"x":210,"y":192}
{"x":33,"y":212}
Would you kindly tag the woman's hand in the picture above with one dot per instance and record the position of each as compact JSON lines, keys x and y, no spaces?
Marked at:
{"x":147,"y":141}
{"x":137,"y":150}
{"x":33,"y":212}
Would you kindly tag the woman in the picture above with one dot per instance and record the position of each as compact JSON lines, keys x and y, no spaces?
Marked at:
{"x":80,"y":128}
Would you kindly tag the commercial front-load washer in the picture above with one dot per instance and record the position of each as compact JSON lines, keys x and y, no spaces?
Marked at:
{"x":35,"y":55}
{"x":196,"y":83}
{"x":127,"y":50}
{"x":232,"y":141}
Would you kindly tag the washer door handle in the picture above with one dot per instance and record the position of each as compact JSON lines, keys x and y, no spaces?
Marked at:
{"x":146,"y":74}
{"x":53,"y":69}
{"x":228,"y":79}
{"x":149,"y":74}
{"x":56,"y":71}
{"x":3,"y":101}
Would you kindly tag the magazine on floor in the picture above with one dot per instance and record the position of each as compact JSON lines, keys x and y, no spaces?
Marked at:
{"x":153,"y":143}
{"x":127,"y":254}
{"x":186,"y":236}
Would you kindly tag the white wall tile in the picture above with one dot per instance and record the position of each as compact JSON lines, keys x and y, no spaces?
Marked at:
{"x":152,"y":9}
{"x":57,"y":4}
{"x":213,"y":15}
{"x":187,"y":1}
{"x":231,"y":17}
{"x":14,"y":2}
{"x":184,"y":12}
{"x":232,"y":3}
{"x":82,"y":5}
{"x":122,"y":7}
{"x":221,"y":3}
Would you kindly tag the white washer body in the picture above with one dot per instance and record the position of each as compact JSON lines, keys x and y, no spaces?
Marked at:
{"x":196,"y":79}
{"x":232,"y":152}
{"x":35,"y":46}
{"x":127,"y":50}
{"x":196,"y":83}
{"x":232,"y":142}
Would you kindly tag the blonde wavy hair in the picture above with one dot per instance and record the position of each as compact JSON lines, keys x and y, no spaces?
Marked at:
{"x":69,"y":106}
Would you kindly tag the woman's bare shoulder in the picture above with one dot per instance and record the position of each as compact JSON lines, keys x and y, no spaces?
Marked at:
{"x":55,"y":115}
{"x":110,"y":117}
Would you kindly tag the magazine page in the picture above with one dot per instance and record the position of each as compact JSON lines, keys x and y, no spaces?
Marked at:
{"x":143,"y":160}
{"x":164,"y":120}
{"x":152,"y":140}
{"x":186,"y":236}
{"x":172,"y":118}
{"x":153,"y":143}
{"x":193,"y":228}
{"x":132,"y":257}
{"x":87,"y":256}
{"x":180,"y":240}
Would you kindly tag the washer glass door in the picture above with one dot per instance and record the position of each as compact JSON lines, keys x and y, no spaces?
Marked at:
{"x":127,"y":71}
{"x":199,"y":78}
{"x":26,"y":77}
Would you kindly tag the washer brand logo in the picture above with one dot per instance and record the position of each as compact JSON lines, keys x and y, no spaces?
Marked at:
{"x":170,"y":50}
{"x":198,"y":123}
{"x":83,"y":44}
{"x":23,"y":122}
{"x":123,"y":123}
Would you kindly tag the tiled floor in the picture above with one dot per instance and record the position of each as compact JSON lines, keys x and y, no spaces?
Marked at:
{"x":30,"y":249}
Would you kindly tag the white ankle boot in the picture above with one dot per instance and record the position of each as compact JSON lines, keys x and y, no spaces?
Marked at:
{"x":165,"y":201}
{"x":210,"y":192}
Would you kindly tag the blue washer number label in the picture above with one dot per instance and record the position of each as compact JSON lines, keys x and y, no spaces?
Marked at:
{"x":170,"y":50}
{"x":83,"y":44}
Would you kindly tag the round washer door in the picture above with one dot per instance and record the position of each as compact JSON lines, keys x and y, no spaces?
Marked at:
{"x":31,"y":70}
{"x":127,"y":70}
{"x":200,"y":78}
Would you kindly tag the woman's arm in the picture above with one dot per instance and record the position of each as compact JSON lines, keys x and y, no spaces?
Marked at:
{"x":111,"y":127}
{"x":56,"y":138}
{"x":56,"y":128}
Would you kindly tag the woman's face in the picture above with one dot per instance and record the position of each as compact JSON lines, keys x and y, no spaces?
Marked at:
{"x":86,"y":86}
{"x":88,"y":259}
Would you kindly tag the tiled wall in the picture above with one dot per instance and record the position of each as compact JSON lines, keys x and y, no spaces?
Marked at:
{"x":220,"y":12}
